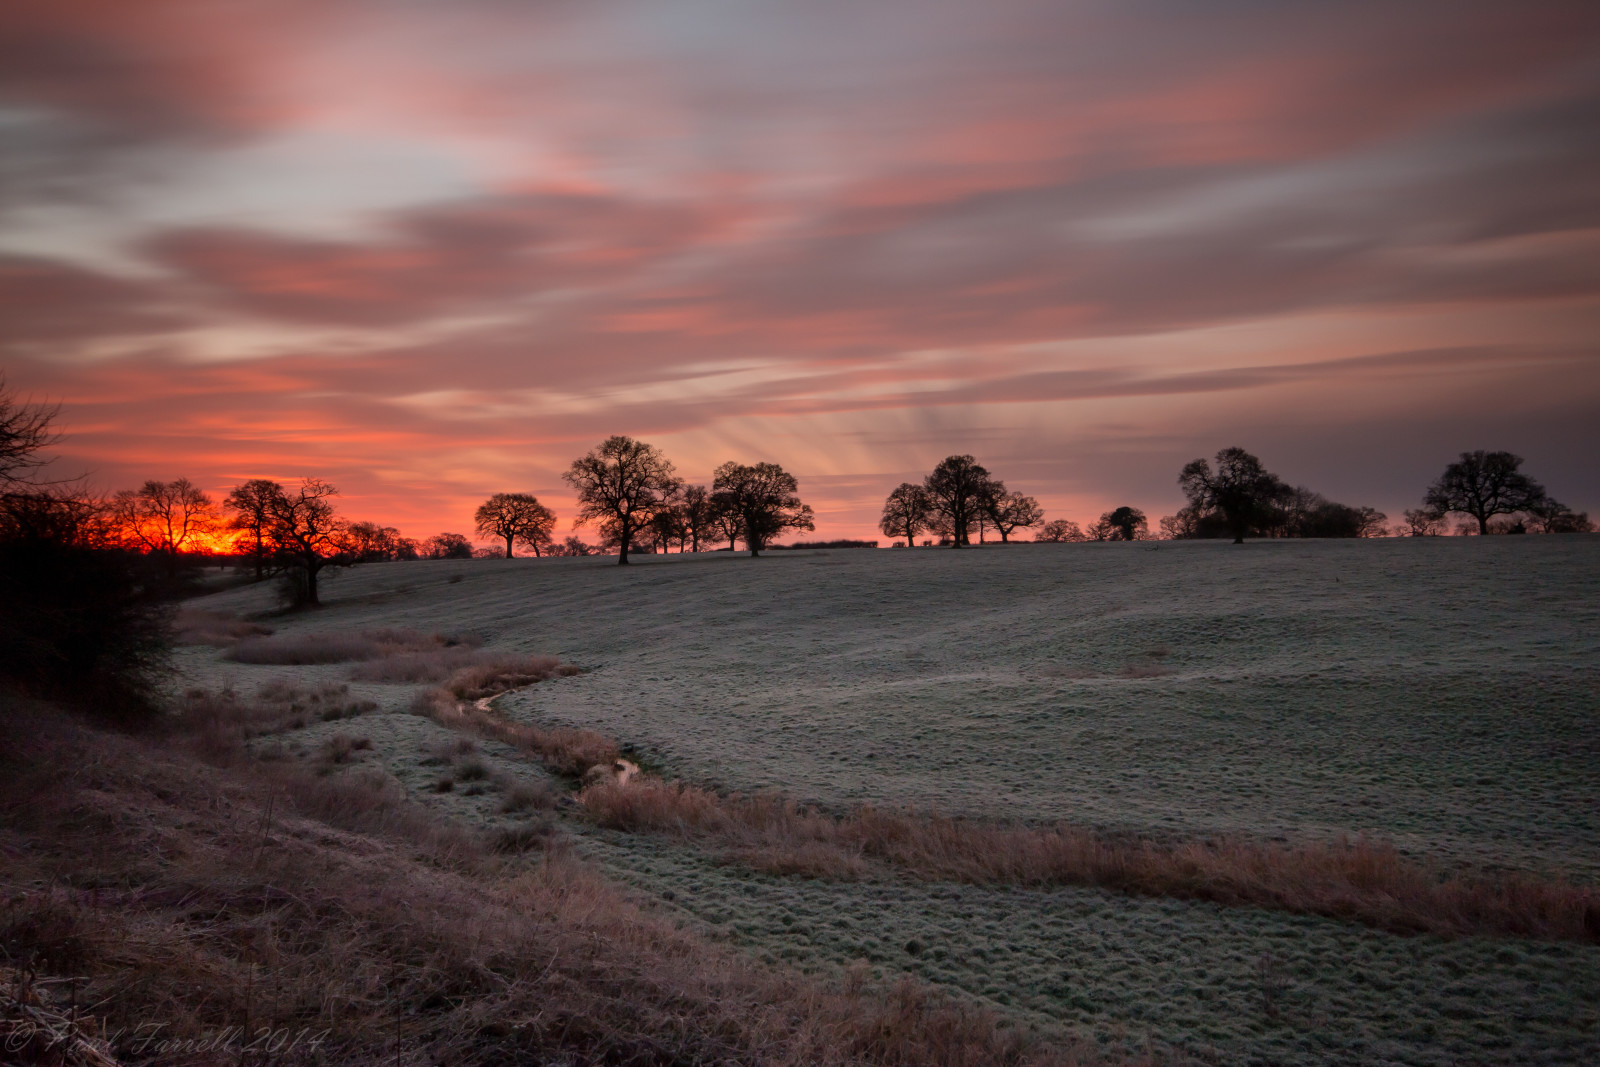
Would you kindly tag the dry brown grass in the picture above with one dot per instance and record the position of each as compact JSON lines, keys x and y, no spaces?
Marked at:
{"x":222,"y":721}
{"x":198,"y":900}
{"x":192,"y":626}
{"x":563,"y":750}
{"x":300,"y":649}
{"x":1358,"y":879}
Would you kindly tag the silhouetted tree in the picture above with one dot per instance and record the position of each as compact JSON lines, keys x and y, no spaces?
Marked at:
{"x":766,"y":499}
{"x":367,"y":542}
{"x":1185,"y":524}
{"x":448,"y":546}
{"x":576,"y":547}
{"x":80,"y":616}
{"x":250,"y":505}
{"x":956,"y":489}
{"x":1009,"y":512}
{"x":1060,"y":530}
{"x":906,"y":512}
{"x":698,"y":513}
{"x":1241,"y":490}
{"x":726,"y":520}
{"x":24,"y":433}
{"x":516,"y":518}
{"x":620,"y":484}
{"x":1123,"y":524}
{"x":1482,"y":485}
{"x":164,"y":518}
{"x":666,"y":527}
{"x":1424,"y":522}
{"x":1552,"y":516}
{"x":1304,"y":513}
{"x":307,"y":534}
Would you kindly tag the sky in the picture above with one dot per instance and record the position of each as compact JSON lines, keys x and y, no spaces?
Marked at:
{"x":430,"y":251}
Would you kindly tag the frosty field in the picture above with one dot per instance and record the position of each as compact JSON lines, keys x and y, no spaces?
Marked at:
{"x":1442,"y":693}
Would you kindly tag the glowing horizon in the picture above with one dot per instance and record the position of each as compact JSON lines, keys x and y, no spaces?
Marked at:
{"x":431,"y":252}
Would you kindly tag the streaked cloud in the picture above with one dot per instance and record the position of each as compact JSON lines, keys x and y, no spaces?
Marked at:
{"x":432,"y":251}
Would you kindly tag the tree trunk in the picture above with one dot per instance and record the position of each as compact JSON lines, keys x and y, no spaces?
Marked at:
{"x":1483,"y":525}
{"x":311,"y":580}
{"x":508,"y":547}
{"x":622,"y":549}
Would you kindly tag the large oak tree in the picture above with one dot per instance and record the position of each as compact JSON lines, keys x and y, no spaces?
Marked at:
{"x":1240,"y":490}
{"x":956,"y":490}
{"x":766,"y":499}
{"x":517,"y":518}
{"x":621,"y":484}
{"x":906,"y":512}
{"x":1483,"y":485}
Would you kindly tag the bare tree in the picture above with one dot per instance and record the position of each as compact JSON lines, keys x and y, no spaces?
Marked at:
{"x":572,"y":546}
{"x":621,"y":483}
{"x":164,"y":518}
{"x":1009,"y":512}
{"x":307,"y":533}
{"x":1241,"y":490}
{"x":1482,"y":485}
{"x":956,"y":490}
{"x":1060,"y":530}
{"x":250,"y":504}
{"x":1552,"y":516}
{"x":726,"y":520}
{"x":766,"y":499}
{"x":906,"y":511}
{"x":698,"y":512}
{"x":667,"y":527}
{"x":24,"y":432}
{"x":367,"y":542}
{"x":1424,"y":522}
{"x":517,"y":518}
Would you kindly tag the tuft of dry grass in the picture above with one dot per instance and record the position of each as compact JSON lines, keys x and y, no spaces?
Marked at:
{"x":302,"y":649}
{"x":221,"y":721}
{"x":563,"y":750}
{"x":193,"y":626}
{"x":527,"y":796}
{"x":1359,"y":879}
{"x":266,"y":899}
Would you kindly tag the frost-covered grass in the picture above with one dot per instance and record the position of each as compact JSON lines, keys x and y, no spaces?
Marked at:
{"x":1228,"y":985}
{"x":1441,"y":694}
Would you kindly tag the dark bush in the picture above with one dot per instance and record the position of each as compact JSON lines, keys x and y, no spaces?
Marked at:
{"x":83,"y":624}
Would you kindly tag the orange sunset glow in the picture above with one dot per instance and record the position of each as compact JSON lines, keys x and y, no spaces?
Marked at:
{"x":429,"y":252}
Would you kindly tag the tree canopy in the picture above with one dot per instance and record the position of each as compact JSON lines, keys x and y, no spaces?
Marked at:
{"x":764,"y":497}
{"x":1484,"y":484}
{"x":906,"y":512}
{"x":956,"y":490}
{"x":1241,"y":490}
{"x":621,"y":484}
{"x":1010,"y":512}
{"x":1122,"y":524}
{"x":516,"y":518}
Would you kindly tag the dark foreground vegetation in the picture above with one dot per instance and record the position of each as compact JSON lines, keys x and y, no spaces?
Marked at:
{"x":161,"y":909}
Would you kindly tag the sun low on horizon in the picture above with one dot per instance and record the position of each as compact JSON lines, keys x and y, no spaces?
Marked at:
{"x":431,"y":252}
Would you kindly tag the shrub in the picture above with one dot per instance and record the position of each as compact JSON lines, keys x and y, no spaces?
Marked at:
{"x":83,"y":624}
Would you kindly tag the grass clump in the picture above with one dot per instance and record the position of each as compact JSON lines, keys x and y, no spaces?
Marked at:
{"x":1359,"y":879}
